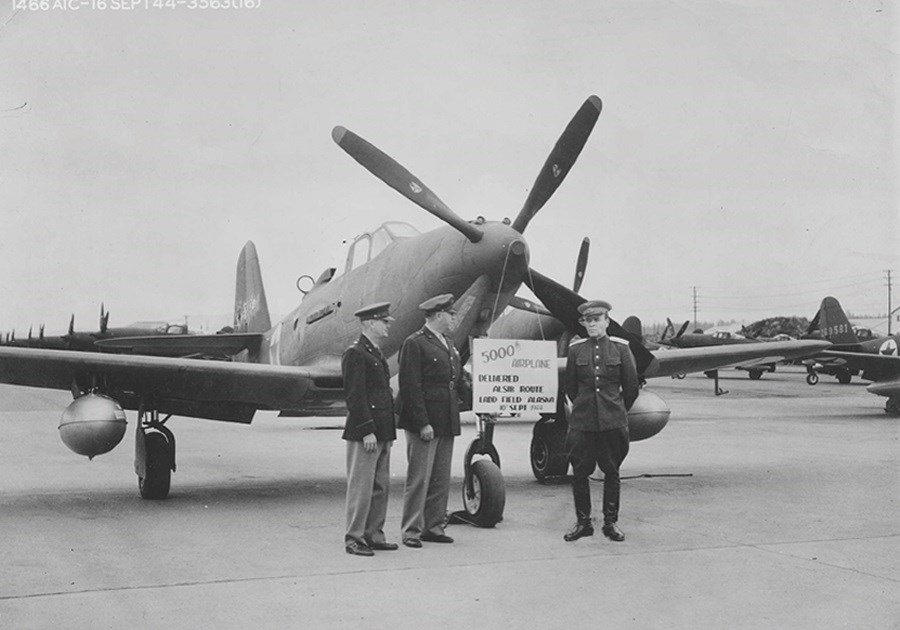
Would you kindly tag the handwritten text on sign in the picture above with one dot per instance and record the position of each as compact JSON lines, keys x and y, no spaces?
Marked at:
{"x":514,"y":376}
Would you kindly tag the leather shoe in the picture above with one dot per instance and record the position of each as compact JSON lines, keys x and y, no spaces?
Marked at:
{"x":415,"y":543}
{"x":438,"y":538}
{"x":582,"y":528}
{"x":383,"y":546}
{"x":613,"y":533}
{"x":359,"y":549}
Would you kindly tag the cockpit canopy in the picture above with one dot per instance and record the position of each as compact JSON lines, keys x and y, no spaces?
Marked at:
{"x":368,"y":245}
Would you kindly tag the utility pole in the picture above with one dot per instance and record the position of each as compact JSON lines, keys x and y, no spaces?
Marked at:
{"x":695,"y":307}
{"x":889,"y":312}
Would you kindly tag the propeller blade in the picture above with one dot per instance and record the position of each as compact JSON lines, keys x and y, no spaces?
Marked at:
{"x":388,"y":170}
{"x":563,"y":303}
{"x":560,"y":161}
{"x":682,"y":329}
{"x":581,"y":265}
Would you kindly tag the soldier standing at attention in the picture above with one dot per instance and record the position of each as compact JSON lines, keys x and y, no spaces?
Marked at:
{"x":601,"y":381}
{"x":369,"y":432}
{"x":431,"y":385}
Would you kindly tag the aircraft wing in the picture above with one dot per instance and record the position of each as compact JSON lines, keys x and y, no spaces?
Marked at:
{"x":885,"y":388}
{"x":183,"y":345}
{"x":685,"y":360}
{"x":864,"y":361}
{"x":218,"y":390}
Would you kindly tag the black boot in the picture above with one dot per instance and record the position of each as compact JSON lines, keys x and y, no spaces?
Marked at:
{"x":611,"y":531}
{"x":584,"y":527}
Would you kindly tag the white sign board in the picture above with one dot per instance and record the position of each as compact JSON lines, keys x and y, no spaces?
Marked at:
{"x":514,"y":376}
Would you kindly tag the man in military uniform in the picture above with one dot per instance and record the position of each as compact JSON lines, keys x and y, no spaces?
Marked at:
{"x":431,"y":384}
{"x":601,"y":381}
{"x":369,"y":432}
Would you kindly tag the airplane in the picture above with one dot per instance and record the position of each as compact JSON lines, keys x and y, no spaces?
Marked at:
{"x":294,"y":366}
{"x":91,"y":341}
{"x":855,"y":351}
{"x":699,"y":339}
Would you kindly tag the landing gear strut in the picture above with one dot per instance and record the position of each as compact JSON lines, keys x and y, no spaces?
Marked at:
{"x":484,"y":493}
{"x":154,"y":455}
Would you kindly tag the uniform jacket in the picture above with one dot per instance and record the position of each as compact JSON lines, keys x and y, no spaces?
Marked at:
{"x":431,"y":384}
{"x":601,"y":382}
{"x":367,"y":390}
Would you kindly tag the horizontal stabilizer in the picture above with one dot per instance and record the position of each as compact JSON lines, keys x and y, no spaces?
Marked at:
{"x":686,"y":360}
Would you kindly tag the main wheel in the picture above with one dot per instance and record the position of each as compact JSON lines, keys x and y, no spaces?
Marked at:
{"x":548,"y":454}
{"x":812,"y":378}
{"x":155,"y":485}
{"x":485,"y":504}
{"x":755,"y":375}
{"x":892,"y":406}
{"x":844,"y":378}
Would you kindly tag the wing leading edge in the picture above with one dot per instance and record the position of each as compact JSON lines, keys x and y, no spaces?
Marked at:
{"x":218,"y":390}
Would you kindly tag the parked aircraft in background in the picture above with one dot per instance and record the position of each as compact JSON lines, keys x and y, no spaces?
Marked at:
{"x":755,"y":369}
{"x":294,"y":366}
{"x":90,"y":341}
{"x":855,"y":351}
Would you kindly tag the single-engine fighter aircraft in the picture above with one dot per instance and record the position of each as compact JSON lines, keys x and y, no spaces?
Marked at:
{"x":755,"y":369}
{"x":294,"y":366}
{"x":877,"y":359}
{"x":89,"y":341}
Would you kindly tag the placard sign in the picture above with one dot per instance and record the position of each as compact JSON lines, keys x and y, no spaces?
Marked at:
{"x":514,"y":376}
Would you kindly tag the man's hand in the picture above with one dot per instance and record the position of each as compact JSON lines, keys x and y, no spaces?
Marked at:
{"x":426,"y":433}
{"x":369,"y":442}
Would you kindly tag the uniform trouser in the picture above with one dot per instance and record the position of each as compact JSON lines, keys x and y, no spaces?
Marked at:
{"x":368,"y":483}
{"x":427,"y":485}
{"x":587,"y":449}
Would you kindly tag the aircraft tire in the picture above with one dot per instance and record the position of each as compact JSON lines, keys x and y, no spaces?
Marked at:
{"x":158,"y":478}
{"x":892,"y":406}
{"x":548,"y":454}
{"x":844,"y":378}
{"x":812,"y":379}
{"x":485,"y":506}
{"x":755,"y":375}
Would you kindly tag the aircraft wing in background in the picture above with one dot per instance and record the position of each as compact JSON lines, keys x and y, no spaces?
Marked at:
{"x":685,"y":360}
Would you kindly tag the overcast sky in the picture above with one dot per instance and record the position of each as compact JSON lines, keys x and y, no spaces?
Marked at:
{"x":746,"y":148}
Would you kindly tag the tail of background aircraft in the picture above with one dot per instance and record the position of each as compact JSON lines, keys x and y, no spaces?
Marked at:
{"x":833,"y":323}
{"x":251,"y":311}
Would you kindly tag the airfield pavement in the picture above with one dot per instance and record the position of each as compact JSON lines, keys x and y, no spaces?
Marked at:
{"x":789,"y":518}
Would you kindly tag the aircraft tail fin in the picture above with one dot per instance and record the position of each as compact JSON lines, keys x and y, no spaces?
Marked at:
{"x":832,"y":322}
{"x":633,"y":325}
{"x":251,"y":311}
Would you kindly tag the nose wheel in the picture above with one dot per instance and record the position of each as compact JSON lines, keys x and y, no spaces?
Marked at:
{"x":484,"y":491}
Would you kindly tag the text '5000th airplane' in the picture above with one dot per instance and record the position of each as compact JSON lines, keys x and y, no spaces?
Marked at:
{"x":294,"y":366}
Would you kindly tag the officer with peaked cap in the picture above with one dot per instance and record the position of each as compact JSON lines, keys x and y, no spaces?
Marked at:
{"x":431,"y":386}
{"x":602,"y":383}
{"x":369,"y":432}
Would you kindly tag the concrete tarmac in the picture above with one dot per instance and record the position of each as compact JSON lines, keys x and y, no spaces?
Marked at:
{"x":774,"y":506}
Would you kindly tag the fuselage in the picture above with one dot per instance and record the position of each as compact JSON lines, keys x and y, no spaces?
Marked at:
{"x":406,"y":272}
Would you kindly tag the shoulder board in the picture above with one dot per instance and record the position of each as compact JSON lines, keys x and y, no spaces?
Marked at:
{"x":618,"y":340}
{"x":575,"y":342}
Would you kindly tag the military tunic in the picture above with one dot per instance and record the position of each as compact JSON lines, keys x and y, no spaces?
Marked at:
{"x":601,"y":381}
{"x":370,"y":410}
{"x":431,"y":384}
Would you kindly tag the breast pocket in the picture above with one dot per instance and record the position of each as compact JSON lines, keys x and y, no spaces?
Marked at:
{"x":612,"y":369}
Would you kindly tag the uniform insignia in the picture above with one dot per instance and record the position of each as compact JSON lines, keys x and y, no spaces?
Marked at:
{"x":618,"y":340}
{"x":575,"y":342}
